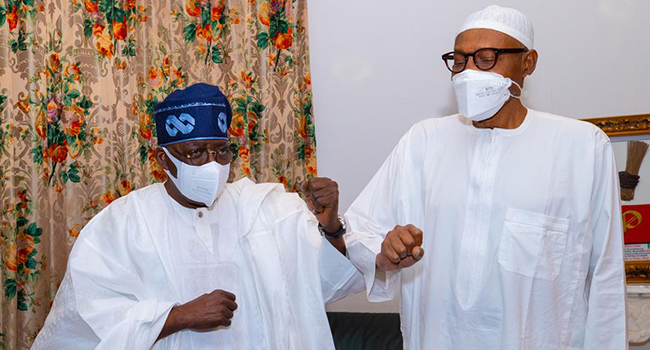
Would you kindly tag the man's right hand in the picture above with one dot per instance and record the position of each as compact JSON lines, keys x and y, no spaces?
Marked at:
{"x":206,"y":312}
{"x":210,"y":310}
{"x":401,"y":248}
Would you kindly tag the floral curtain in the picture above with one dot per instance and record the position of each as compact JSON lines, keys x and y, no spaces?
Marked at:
{"x":78,"y":82}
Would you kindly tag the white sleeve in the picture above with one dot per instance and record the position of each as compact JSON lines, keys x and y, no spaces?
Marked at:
{"x":384,"y":203}
{"x":606,"y":322}
{"x":115,"y":303}
{"x":315,"y":256}
{"x":64,"y":328}
{"x":102,"y":302}
{"x":339,"y":278}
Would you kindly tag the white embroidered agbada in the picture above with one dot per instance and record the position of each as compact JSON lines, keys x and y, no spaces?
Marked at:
{"x":522,"y":236}
{"x":145,"y":253}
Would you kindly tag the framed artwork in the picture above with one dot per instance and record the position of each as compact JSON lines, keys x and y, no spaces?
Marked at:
{"x":630,"y":137}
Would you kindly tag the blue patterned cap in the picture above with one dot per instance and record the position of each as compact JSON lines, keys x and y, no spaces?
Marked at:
{"x":199,"y":112}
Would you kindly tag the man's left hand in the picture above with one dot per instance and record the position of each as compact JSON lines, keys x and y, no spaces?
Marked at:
{"x":322,"y":197}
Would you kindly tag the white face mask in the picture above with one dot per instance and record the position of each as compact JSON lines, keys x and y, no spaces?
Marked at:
{"x":480,"y":95}
{"x":202,"y":184}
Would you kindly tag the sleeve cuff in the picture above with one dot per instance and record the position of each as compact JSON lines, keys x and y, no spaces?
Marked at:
{"x":380,"y":286}
{"x":339,"y":277}
{"x":155,"y":313}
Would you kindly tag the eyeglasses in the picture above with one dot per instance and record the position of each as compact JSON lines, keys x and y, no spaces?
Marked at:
{"x":200,"y":156}
{"x":484,"y":59}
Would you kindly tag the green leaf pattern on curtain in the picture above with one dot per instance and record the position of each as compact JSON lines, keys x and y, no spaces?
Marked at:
{"x":78,"y":83}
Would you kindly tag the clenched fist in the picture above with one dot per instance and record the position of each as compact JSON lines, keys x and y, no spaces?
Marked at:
{"x":401,"y":248}
{"x":322,"y":197}
{"x":204,"y":313}
{"x":211,"y":310}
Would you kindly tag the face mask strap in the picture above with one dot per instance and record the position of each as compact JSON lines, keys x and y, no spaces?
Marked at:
{"x":174,"y":160}
{"x":521,"y":91}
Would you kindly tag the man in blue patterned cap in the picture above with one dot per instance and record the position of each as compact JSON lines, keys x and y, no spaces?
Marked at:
{"x":196,"y":263}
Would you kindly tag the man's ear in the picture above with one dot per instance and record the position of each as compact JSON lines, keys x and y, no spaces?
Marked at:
{"x":530,"y":62}
{"x":164,"y":161}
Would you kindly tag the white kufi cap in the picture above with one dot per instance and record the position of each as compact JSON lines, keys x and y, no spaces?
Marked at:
{"x":502,"y":19}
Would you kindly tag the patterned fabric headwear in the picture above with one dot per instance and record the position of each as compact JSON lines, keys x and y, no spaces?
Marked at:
{"x":199,"y":112}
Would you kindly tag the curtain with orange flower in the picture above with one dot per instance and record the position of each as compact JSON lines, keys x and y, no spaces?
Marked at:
{"x":78,"y":83}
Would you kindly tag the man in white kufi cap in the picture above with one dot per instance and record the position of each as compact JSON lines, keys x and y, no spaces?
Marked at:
{"x":518,"y":212}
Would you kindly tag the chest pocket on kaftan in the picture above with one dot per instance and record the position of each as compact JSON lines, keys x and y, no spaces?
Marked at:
{"x":533,"y":244}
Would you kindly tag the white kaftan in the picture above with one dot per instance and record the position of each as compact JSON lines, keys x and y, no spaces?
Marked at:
{"x":145,"y":253}
{"x":522,"y":236}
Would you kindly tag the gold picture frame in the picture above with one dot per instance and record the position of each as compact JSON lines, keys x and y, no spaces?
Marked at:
{"x":625,"y":128}
{"x":627,"y":125}
{"x":637,"y":271}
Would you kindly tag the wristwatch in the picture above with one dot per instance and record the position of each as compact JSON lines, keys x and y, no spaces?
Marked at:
{"x":337,"y":234}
